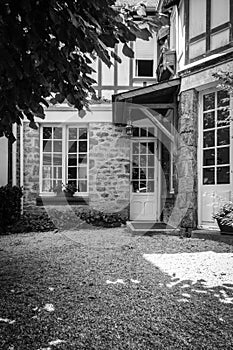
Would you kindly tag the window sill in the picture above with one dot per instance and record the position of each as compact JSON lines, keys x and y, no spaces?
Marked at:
{"x":61,"y":200}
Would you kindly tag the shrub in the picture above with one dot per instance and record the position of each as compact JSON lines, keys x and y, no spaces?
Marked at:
{"x":225,"y":214}
{"x":101,"y":218}
{"x":10,"y":204}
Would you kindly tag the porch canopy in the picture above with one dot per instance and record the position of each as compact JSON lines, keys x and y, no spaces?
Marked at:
{"x":157,"y":102}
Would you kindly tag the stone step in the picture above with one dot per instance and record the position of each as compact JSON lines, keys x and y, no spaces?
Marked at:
{"x":150,"y":228}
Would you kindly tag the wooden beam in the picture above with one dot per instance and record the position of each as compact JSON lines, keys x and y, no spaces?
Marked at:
{"x":160,"y":105}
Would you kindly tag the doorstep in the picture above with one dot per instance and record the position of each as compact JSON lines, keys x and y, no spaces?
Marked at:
{"x":151,"y":228}
{"x":214,"y":235}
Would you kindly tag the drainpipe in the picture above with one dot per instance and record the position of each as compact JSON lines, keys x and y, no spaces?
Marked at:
{"x":21,"y":163}
{"x":14,"y":159}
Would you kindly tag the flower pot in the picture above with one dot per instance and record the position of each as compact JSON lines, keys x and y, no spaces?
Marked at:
{"x":225,"y":229}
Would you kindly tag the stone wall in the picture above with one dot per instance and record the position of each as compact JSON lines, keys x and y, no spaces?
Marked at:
{"x":186,"y":166}
{"x":109,"y":167}
{"x":31,"y":165}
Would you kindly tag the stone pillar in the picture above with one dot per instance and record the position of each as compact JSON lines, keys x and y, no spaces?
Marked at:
{"x":31,"y":149}
{"x":186,"y":165}
{"x":109,"y":168}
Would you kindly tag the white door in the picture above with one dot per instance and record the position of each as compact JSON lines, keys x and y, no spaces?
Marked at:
{"x":215,"y":185}
{"x":144,"y":196}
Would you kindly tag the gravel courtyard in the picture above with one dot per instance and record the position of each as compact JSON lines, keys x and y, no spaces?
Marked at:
{"x":104,"y":289}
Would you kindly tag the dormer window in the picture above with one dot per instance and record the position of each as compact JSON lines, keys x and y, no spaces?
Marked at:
{"x":208,"y":27}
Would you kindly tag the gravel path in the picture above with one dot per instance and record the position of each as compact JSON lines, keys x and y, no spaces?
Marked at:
{"x":104,"y":289}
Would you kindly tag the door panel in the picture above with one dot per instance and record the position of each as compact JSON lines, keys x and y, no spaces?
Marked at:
{"x":143,"y":201}
{"x":215,"y":157}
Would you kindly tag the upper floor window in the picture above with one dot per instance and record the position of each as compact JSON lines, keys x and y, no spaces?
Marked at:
{"x":208,"y":27}
{"x":144,"y":52}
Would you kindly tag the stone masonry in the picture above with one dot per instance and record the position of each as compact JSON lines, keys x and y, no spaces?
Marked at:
{"x":109,"y":166}
{"x":186,"y":165}
{"x":31,"y":166}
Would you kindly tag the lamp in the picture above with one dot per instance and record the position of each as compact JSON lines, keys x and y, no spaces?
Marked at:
{"x":129,"y":128}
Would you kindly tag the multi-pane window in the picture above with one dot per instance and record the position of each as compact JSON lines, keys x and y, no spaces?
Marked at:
{"x":64,"y":157}
{"x":216,"y":138}
{"x":209,"y":31}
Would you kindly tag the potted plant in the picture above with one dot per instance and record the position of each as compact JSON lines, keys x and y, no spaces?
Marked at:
{"x":69,"y":189}
{"x":65,"y":189}
{"x":224,"y":217}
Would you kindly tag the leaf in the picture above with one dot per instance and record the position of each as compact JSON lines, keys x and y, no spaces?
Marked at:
{"x":116,"y":57}
{"x":127,"y":51}
{"x":33,"y":125}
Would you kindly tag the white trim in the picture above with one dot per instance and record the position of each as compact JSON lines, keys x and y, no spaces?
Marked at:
{"x":21,"y":162}
{"x":14,"y":157}
{"x":200,"y":150}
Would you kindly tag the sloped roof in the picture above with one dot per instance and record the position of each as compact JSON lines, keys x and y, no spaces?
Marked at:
{"x":148,"y":3}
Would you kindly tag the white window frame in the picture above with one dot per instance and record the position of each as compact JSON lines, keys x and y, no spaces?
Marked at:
{"x":153,"y":42}
{"x":64,"y":156}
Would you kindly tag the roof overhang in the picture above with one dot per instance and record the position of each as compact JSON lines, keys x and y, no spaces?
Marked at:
{"x":159,"y":96}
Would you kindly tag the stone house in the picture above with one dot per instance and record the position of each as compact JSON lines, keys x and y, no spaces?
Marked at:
{"x":158,"y":141}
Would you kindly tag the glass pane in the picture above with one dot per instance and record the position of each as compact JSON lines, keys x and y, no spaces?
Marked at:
{"x":57,"y":146}
{"x":57,"y":172}
{"x":150,"y":187}
{"x":150,"y":132}
{"x":135,"y":132}
{"x":143,"y":173}
{"x":82,"y":173}
{"x":151,"y":148}
{"x":47,"y":185}
{"x":151,"y":160}
{"x":135,"y":147}
{"x":143,"y":132}
{"x":223,"y":118}
{"x":57,"y":159}
{"x":72,"y":173}
{"x":83,"y":133}
{"x":223,"y":155}
{"x":143,"y":187}
{"x":208,"y":139}
{"x":208,"y":176}
{"x":72,"y":160}
{"x":197,"y":23}
{"x":223,"y":137}
{"x":72,"y":133}
{"x":209,"y":157}
{"x":82,"y":158}
{"x":150,"y":173}
{"x":47,"y":172}
{"x":135,"y":186}
{"x":72,"y":146}
{"x":82,"y":146}
{"x":47,"y":159}
{"x":222,"y":99}
{"x":47,"y":146}
{"x":136,"y":160}
{"x":47,"y":132}
{"x":143,"y":148}
{"x":209,"y":101}
{"x":142,"y":161}
{"x":135,"y":173}
{"x":223,"y":175}
{"x":57,"y":133}
{"x":82,"y":186}
{"x":208,"y":120}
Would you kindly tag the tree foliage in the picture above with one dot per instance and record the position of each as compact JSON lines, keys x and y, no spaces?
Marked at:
{"x":47,"y":47}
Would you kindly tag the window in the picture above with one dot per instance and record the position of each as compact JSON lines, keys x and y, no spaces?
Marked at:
{"x":144,"y":58}
{"x":64,"y":157}
{"x":216,"y":139}
{"x":209,"y":31}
